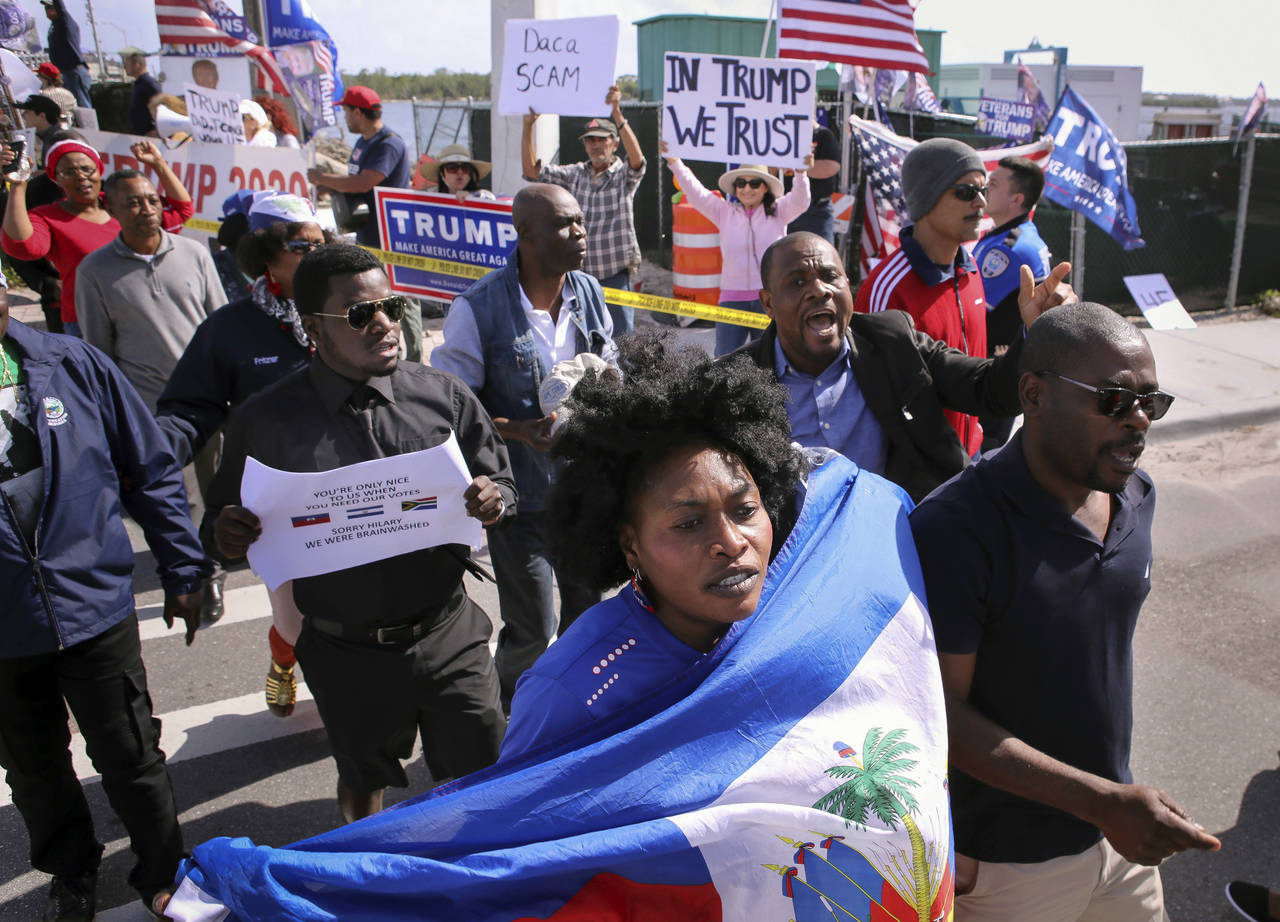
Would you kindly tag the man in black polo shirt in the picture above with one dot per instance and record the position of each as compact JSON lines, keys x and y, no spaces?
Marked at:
{"x":1036,"y":561}
{"x":393,"y":646}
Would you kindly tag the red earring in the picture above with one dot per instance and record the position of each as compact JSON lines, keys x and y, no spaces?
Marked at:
{"x":272,"y":285}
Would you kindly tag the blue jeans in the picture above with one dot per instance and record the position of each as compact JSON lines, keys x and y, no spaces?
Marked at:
{"x":624,"y":318}
{"x":730,"y":336}
{"x":819,"y":219}
{"x":520,"y":549}
{"x":77,"y":81}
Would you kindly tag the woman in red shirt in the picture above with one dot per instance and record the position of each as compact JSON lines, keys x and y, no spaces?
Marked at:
{"x":68,"y":230}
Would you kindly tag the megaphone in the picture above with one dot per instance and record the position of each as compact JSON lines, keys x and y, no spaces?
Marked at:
{"x":169,"y":123}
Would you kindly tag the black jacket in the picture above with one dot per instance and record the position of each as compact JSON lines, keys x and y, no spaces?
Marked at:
{"x":907,"y":379}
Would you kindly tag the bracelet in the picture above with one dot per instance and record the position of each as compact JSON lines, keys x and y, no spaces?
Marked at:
{"x":623,"y":124}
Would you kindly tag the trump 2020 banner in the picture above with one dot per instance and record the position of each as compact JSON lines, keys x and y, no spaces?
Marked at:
{"x":1088,"y":171}
{"x":477,"y":232}
{"x":795,"y":772}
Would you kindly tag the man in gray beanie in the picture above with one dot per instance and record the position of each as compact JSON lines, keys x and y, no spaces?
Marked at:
{"x":931,"y":276}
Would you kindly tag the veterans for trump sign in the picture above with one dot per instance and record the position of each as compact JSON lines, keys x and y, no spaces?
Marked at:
{"x":739,"y":110}
{"x":1004,"y":118}
{"x":476,"y":232}
{"x":1088,"y":171}
{"x":564,"y":66}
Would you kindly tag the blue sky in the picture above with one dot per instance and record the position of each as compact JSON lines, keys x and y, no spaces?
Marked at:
{"x":1223,"y":48}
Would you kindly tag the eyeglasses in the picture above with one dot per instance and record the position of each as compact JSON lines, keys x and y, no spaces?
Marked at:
{"x":77,"y":171}
{"x":967,"y":193}
{"x":743,"y":183}
{"x":360,"y":314}
{"x":302,"y":247}
{"x":1118,"y":401}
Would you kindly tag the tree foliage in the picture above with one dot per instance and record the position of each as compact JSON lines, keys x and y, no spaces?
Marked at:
{"x":442,"y":84}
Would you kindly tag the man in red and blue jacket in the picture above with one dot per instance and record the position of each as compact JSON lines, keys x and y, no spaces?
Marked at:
{"x":76,"y":442}
{"x":931,"y":276}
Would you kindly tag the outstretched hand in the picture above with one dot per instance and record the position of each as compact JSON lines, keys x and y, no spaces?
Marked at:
{"x":1146,"y":825}
{"x":1034,"y":300}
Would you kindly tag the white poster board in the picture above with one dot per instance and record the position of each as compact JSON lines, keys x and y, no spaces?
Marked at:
{"x":738,"y":110}
{"x":328,"y":521}
{"x":215,"y":115}
{"x":231,"y":75}
{"x":1155,"y":298}
{"x":211,"y":172}
{"x":559,"y":66}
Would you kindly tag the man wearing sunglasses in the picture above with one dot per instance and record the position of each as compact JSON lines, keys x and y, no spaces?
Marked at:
{"x":1037,"y":560}
{"x":394,"y":647}
{"x":931,"y":276}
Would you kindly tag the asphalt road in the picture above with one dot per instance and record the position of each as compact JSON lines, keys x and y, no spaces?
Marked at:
{"x":1208,"y":697}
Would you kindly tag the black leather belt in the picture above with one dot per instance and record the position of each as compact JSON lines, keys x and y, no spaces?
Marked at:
{"x":387,"y":635}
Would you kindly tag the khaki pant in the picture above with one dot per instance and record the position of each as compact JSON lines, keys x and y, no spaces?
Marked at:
{"x":1098,"y":885}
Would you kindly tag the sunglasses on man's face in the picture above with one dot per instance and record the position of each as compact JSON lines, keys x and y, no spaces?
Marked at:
{"x":1118,"y":401}
{"x":360,"y":314}
{"x":302,"y":247}
{"x":743,"y":183}
{"x":967,"y":193}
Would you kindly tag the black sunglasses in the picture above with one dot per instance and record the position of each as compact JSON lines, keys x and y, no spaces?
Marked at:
{"x":1118,"y":401}
{"x":967,"y":193}
{"x":743,"y":183}
{"x":302,"y":247}
{"x":360,"y":314}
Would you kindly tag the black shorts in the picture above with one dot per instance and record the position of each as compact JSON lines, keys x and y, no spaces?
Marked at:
{"x":374,"y":700}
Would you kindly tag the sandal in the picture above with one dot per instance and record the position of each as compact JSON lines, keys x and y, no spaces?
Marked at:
{"x":282,"y":689}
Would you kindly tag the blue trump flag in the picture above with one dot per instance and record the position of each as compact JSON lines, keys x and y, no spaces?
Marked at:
{"x":796,"y":772}
{"x":1088,"y":171}
{"x":291,"y":22}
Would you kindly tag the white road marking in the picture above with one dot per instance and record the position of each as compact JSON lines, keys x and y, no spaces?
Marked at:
{"x":247,"y":603}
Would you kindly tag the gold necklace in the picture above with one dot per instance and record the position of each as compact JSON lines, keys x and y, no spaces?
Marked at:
{"x":10,"y":372}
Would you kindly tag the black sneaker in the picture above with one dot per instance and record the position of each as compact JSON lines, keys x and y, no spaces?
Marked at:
{"x":1251,"y":900}
{"x":71,"y":899}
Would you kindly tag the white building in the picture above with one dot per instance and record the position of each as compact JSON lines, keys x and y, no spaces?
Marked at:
{"x":1114,"y":92}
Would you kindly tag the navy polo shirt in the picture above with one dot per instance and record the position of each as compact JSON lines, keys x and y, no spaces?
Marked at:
{"x":1050,"y":611}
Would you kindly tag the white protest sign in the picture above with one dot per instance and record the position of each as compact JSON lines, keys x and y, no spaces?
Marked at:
{"x":215,"y":115}
{"x":741,"y":110}
{"x":560,"y":66}
{"x":330,"y":520}
{"x":211,"y":172}
{"x":1155,"y":298}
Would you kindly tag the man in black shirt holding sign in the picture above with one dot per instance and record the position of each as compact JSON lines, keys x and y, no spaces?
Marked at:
{"x":392,"y":646}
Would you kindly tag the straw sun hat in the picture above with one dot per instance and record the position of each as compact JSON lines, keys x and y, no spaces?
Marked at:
{"x":751,"y":171}
{"x":454,"y":153}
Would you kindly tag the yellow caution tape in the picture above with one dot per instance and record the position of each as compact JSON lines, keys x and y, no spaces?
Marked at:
{"x":635,"y":299}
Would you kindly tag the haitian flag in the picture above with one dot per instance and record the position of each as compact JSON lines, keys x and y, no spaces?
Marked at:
{"x":796,"y":772}
{"x":1088,"y":171}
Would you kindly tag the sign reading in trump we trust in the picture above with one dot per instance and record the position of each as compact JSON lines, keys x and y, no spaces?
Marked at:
{"x":739,"y":110}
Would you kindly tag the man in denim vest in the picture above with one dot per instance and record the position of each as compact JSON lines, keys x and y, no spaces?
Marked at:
{"x":503,"y":336}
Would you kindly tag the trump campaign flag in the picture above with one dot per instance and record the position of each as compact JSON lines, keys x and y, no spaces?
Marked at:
{"x":796,"y":772}
{"x":291,"y":22}
{"x":1088,"y":171}
{"x":880,"y":153}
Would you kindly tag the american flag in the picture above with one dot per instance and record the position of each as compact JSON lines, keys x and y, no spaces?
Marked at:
{"x":878,"y":33}
{"x":187,"y":22}
{"x":880,"y":153}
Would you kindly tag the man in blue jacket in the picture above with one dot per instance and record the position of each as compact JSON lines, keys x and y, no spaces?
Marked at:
{"x":64,"y":50}
{"x":76,"y":441}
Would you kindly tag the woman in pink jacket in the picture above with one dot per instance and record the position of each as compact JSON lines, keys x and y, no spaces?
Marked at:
{"x":757,"y":218}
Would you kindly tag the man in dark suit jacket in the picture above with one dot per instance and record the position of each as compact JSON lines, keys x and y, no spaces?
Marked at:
{"x":871,"y":386}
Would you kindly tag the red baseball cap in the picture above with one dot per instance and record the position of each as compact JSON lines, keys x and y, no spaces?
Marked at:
{"x":48,"y":69}
{"x":360,"y":97}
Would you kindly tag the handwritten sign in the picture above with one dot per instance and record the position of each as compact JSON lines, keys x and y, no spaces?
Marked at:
{"x":1004,"y":118}
{"x":477,"y":232}
{"x":740,"y":110}
{"x":563,"y":66}
{"x":1155,"y":298}
{"x":321,"y":522}
{"x":215,"y":115}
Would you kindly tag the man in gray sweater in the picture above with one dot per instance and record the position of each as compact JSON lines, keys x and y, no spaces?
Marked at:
{"x":140,"y":298}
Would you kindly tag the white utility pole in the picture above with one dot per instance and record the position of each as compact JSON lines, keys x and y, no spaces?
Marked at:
{"x":505,"y":130}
